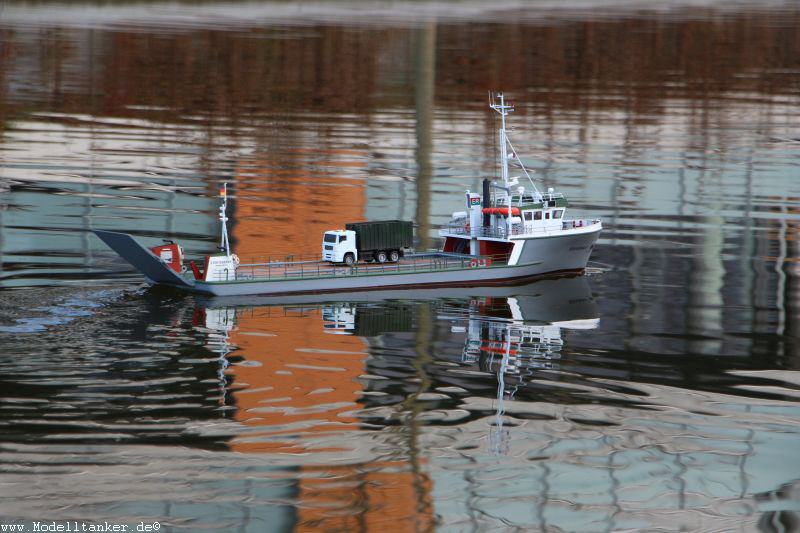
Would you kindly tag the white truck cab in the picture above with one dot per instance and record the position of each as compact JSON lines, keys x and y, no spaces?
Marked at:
{"x":339,"y":246}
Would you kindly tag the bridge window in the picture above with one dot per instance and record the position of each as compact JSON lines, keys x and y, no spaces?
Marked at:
{"x":547,"y":215}
{"x":537,"y":215}
{"x":557,"y":213}
{"x":528,"y":215}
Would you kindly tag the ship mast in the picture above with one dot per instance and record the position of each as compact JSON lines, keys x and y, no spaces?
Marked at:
{"x":504,"y":109}
{"x":224,"y":242}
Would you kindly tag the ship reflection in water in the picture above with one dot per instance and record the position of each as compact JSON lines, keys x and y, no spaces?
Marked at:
{"x":506,"y":333}
{"x":433,"y":405}
{"x":350,"y":391}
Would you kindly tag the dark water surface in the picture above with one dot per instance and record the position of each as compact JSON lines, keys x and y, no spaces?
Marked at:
{"x":659,"y":392}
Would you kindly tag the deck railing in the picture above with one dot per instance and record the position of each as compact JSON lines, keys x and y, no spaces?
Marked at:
{"x":500,"y":199}
{"x":499,"y":232}
{"x":299,"y":267}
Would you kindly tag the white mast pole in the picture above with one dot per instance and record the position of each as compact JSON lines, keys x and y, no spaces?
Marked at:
{"x":503,"y":148}
{"x":223,"y":191}
{"x":504,"y":109}
{"x":504,"y":159}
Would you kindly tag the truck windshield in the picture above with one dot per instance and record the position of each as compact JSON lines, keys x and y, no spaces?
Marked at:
{"x":330,"y":238}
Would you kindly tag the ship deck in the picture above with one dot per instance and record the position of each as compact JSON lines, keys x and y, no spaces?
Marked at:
{"x":298,"y":268}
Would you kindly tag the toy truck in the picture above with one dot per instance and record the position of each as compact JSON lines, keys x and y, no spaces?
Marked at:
{"x":380,"y":241}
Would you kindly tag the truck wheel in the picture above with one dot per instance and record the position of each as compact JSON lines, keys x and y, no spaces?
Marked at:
{"x":381,"y":257}
{"x":394,"y":255}
{"x":349,"y":259}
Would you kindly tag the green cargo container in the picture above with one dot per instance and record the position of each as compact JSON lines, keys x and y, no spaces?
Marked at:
{"x":382,"y":235}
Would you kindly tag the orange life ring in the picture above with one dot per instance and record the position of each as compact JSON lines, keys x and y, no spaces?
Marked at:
{"x":502,"y":211}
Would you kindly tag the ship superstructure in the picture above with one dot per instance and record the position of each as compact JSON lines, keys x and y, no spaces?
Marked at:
{"x":523,"y":225}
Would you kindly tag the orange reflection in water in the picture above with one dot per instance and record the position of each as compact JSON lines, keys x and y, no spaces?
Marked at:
{"x":389,"y":495}
{"x":305,"y":385}
{"x":297,"y":379}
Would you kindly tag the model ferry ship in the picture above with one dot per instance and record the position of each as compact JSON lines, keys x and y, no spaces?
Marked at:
{"x":505,"y":234}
